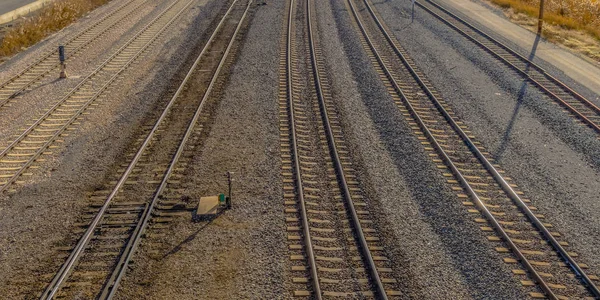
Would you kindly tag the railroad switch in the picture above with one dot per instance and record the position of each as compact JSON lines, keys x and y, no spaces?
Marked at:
{"x":211,"y":207}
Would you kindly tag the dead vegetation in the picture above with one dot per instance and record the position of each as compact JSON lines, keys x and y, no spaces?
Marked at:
{"x":572,"y":23}
{"x":570,"y":14}
{"x":52,"y":18}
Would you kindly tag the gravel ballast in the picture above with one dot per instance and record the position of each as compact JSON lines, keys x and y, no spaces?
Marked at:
{"x":551,"y":157}
{"x":241,"y":254}
{"x":33,"y":103}
{"x":41,"y":215}
{"x":438,"y":249}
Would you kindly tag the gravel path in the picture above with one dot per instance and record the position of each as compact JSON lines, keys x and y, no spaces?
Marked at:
{"x":241,"y":254}
{"x":41,"y":214}
{"x":553,"y":159}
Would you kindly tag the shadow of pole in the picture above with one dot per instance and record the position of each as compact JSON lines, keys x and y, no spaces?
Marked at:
{"x":29,"y":90}
{"x":520,"y":97}
{"x":188,"y":239}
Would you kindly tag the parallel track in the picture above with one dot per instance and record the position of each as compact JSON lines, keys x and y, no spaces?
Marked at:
{"x":99,"y":260}
{"x":34,"y":141}
{"x":471,"y":173}
{"x":334,"y":245}
{"x":48,"y":61}
{"x":576,"y":104}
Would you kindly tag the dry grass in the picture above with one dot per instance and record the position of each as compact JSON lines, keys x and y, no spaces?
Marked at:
{"x":572,"y":23}
{"x":50,"y":19}
{"x":581,"y":15}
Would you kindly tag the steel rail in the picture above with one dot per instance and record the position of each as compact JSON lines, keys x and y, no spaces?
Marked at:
{"x":364,"y":247}
{"x":50,"y":53}
{"x":112,"y":286}
{"x":63,"y":273}
{"x":299,"y":185}
{"x":448,"y":161}
{"x":489,"y":167}
{"x":90,"y":100}
{"x":524,"y":73}
{"x":495,"y":174}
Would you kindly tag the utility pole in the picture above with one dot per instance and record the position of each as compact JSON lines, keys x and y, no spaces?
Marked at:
{"x":541,"y":17}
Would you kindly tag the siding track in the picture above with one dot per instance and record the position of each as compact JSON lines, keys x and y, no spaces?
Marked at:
{"x":35,"y":140}
{"x":334,"y":246}
{"x":48,"y":61}
{"x":539,"y":256}
{"x":99,"y":260}
{"x":574,"y":103}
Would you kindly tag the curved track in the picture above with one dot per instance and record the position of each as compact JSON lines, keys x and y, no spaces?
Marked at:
{"x":577,"y":105}
{"x":49,"y":61}
{"x":338,"y":250}
{"x":527,"y":241}
{"x":99,"y":260}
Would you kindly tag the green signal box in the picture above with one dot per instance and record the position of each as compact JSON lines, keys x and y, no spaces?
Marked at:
{"x":211,"y":206}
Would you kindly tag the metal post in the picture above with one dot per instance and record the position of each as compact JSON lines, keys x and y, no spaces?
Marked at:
{"x":541,"y":17}
{"x":63,"y":65}
{"x":413,"y":12}
{"x":229,"y":196}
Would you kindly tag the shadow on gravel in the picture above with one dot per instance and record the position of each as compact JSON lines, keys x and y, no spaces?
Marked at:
{"x":579,"y":138}
{"x":399,"y":13}
{"x":36,"y":87}
{"x":468,"y":253}
{"x":187,"y":240}
{"x":520,"y":97}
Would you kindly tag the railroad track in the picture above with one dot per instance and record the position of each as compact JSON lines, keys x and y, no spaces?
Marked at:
{"x":334,"y":246}
{"x":48,"y":61}
{"x":36,"y":140}
{"x":539,"y":256}
{"x":574,"y":103}
{"x":99,"y":260}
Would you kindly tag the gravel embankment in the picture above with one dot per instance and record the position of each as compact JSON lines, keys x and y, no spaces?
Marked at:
{"x":440,"y":252}
{"x":553,"y":159}
{"x":42,"y":213}
{"x":241,"y":254}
